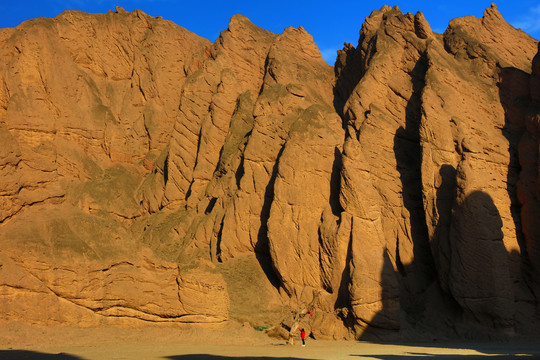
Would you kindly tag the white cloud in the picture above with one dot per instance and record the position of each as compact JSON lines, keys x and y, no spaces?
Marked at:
{"x":530,"y":22}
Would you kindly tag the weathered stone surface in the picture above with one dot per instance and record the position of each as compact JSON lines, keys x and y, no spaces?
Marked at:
{"x":88,"y":104}
{"x":528,"y":188}
{"x":465,"y":154}
{"x":381,"y":169}
{"x":427,"y":120}
{"x":93,"y":292}
{"x":150,"y":176}
{"x":82,"y":92}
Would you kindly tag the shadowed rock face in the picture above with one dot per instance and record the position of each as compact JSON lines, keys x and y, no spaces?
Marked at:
{"x":148,"y":175}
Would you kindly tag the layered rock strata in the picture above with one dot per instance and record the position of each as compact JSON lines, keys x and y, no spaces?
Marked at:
{"x":150,"y":176}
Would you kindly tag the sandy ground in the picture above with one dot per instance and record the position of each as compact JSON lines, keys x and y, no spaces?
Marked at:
{"x":22,"y":342}
{"x":314,"y":350}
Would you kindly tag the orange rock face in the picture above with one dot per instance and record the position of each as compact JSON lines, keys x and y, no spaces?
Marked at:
{"x":148,"y":175}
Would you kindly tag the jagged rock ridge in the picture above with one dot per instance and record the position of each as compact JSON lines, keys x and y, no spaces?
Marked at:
{"x":150,"y":175}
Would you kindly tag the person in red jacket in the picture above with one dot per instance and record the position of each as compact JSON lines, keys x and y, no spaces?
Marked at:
{"x":303,"y":336}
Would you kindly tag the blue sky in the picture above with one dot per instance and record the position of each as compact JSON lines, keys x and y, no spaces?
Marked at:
{"x":330,"y":22}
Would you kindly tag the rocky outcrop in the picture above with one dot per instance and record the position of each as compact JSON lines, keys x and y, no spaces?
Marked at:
{"x":100,"y":292}
{"x":442,"y":178}
{"x":88,"y":104}
{"x":83,"y":92}
{"x":394,"y":194}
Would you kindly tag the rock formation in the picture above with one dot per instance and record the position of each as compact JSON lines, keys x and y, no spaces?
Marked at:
{"x":148,"y":175}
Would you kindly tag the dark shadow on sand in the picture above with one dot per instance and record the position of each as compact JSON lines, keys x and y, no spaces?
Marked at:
{"x":501,"y":350}
{"x":34,"y":355}
{"x":416,"y":356}
{"x":219,"y":357}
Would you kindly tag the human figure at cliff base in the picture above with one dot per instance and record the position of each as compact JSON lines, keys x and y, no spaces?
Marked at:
{"x":303,"y":336}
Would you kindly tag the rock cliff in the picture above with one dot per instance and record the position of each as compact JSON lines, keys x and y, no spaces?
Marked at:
{"x":149,"y":176}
